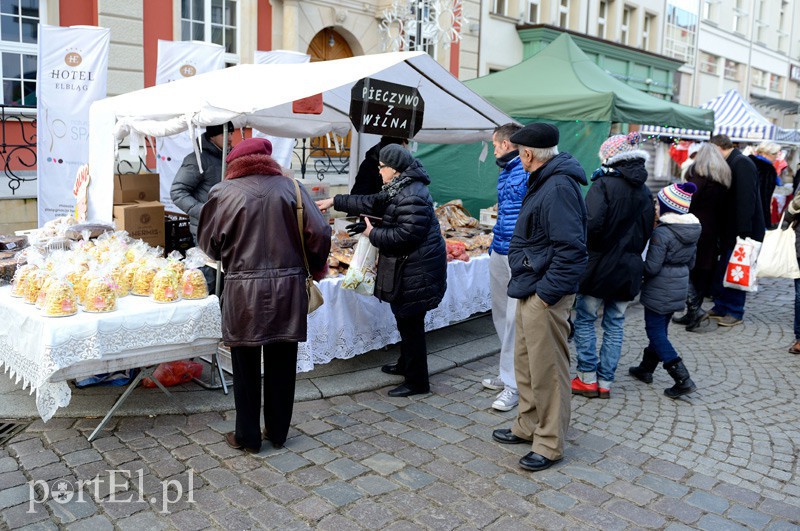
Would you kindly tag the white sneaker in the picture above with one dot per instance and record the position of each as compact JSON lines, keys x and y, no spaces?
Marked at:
{"x":506,"y":400}
{"x":493,"y":383}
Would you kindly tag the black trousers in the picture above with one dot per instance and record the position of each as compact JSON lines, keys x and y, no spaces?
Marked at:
{"x":280,"y":372}
{"x":413,"y":352}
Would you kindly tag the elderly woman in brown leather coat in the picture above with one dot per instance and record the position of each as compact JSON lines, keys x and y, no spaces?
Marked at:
{"x":250,"y":224}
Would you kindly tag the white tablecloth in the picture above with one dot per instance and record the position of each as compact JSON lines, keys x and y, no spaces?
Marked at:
{"x":33,"y":347}
{"x":349,"y":324}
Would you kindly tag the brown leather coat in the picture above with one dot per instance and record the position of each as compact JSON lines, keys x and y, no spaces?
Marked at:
{"x":249,"y":223}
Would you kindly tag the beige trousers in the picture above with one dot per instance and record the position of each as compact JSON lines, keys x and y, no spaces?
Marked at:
{"x":541,"y":367}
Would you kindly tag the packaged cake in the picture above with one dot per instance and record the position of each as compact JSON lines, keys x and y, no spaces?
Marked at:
{"x":18,"y":283}
{"x":34,"y":285}
{"x":193,"y":282}
{"x":100,"y":295}
{"x":60,"y":300}
{"x":43,"y":291}
{"x":175,"y":263}
{"x":143,"y":279}
{"x":166,"y":286}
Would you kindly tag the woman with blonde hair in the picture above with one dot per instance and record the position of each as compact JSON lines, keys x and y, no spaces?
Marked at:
{"x":712,"y":176}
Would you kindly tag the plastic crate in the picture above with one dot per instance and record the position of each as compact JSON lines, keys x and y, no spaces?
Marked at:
{"x":488,"y":217}
{"x":177,"y":233}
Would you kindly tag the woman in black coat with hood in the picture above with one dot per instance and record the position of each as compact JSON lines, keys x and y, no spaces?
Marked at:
{"x":412,"y":263}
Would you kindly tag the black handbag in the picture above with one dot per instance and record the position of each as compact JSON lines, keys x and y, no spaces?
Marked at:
{"x":389,"y":277}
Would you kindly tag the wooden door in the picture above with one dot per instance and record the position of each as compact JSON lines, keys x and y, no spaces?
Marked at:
{"x":325,"y":46}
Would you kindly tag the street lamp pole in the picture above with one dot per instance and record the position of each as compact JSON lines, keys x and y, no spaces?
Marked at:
{"x":418,"y":38}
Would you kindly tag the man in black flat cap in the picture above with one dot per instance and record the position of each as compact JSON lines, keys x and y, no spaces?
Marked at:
{"x":190,"y":187}
{"x":547,"y":256}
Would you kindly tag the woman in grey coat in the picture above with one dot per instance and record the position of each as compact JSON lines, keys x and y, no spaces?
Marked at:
{"x":670,"y":256}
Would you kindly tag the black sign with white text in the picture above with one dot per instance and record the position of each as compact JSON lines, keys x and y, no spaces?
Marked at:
{"x":384,"y":108}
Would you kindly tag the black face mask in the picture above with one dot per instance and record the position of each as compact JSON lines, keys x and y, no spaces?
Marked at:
{"x":505,"y":159}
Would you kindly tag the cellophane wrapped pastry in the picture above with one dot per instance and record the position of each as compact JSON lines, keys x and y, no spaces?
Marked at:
{"x":143,"y":279}
{"x":175,"y":263}
{"x":100,"y":295}
{"x":166,"y":286}
{"x":60,"y":300}
{"x":43,"y":291}
{"x":126,"y":278}
{"x":34,"y":285}
{"x":20,"y":280}
{"x":193,"y":282}
{"x":83,"y":282}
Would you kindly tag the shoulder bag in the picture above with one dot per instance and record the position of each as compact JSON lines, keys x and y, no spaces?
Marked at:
{"x":315,"y":299}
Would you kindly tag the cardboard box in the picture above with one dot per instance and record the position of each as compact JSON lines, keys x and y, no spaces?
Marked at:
{"x":142,"y":221}
{"x":132,"y":187}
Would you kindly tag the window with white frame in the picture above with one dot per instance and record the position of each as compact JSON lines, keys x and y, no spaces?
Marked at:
{"x":19,"y":36}
{"x":500,"y":7}
{"x":213,"y":21}
{"x":532,"y":15}
{"x":709,"y":63}
{"x":602,"y":19}
{"x":563,"y":13}
{"x":775,"y":83}
{"x":648,"y":27}
{"x":759,"y":78}
{"x":739,"y":17}
{"x":625,"y":27}
{"x":679,"y":32}
{"x":731,"y":70}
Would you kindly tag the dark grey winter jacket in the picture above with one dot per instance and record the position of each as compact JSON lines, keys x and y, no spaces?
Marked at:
{"x":190,"y":187}
{"x":670,"y":256}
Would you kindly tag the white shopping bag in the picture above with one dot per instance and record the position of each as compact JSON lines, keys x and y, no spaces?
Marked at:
{"x":360,"y":275}
{"x":778,"y":256}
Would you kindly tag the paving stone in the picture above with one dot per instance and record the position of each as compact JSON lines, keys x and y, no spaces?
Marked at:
{"x":666,"y":469}
{"x":555,"y":500}
{"x":663,"y":486}
{"x":219,"y":478}
{"x":338,"y":493}
{"x":287,"y":462}
{"x":9,"y":497}
{"x":597,"y":518}
{"x":585,"y":493}
{"x":748,"y":517}
{"x":201,"y":463}
{"x":95,"y":523}
{"x":77,"y":508}
{"x":12,"y":479}
{"x":374,"y":485}
{"x":708,"y":502}
{"x":587,"y":474}
{"x":413,"y":478}
{"x":518,"y":484}
{"x":713,"y":522}
{"x":637,"y":515}
{"x":677,"y":509}
{"x":286,"y":492}
{"x":82,"y":457}
{"x":23,"y":515}
{"x":313,"y":508}
{"x":320,"y":456}
{"x":780,"y":509}
{"x":384,"y":464}
{"x":310,"y":476}
{"x":141,"y":522}
{"x":346,"y":468}
{"x":636,"y":494}
{"x":234,"y":519}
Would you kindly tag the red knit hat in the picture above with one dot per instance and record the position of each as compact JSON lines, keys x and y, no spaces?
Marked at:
{"x":250,"y":146}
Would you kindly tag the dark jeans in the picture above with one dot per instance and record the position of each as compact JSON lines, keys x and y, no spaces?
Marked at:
{"x":656,"y":324}
{"x":280,"y":372}
{"x":413,"y":360}
{"x":727,"y":301}
{"x":797,"y":308}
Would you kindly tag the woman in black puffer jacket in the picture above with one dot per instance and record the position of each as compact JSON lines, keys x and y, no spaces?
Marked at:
{"x":408,"y":234}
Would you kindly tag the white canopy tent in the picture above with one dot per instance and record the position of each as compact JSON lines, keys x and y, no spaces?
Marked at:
{"x":261,"y":96}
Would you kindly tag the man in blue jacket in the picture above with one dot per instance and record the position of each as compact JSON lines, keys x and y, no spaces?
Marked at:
{"x":547,"y":256}
{"x":512,"y":183}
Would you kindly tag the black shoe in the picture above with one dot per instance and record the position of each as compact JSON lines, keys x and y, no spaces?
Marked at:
{"x":684,"y":319}
{"x":407,"y":390}
{"x":392,"y":368}
{"x":683,"y":382}
{"x":507,"y":437}
{"x":698,"y":319}
{"x":644,"y":371}
{"x":535,"y":462}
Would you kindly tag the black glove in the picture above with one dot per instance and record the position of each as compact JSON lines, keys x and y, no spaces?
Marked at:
{"x":356,"y":228}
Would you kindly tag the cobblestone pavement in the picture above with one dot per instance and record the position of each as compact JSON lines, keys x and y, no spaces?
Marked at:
{"x":725,"y":458}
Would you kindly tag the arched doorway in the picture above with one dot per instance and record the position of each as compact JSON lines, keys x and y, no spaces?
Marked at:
{"x":326,"y":45}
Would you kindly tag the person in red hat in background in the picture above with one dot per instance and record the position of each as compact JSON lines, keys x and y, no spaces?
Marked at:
{"x":250,"y":224}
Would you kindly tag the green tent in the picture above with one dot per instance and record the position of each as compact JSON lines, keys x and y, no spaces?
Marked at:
{"x":560,"y":85}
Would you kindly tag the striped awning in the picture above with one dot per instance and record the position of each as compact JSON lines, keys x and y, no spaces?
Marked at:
{"x":733,"y":116}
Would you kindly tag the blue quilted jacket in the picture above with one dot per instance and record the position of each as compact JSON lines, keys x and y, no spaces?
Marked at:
{"x":512,"y":184}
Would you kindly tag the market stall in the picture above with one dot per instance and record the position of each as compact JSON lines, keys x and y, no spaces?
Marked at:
{"x":44,"y":352}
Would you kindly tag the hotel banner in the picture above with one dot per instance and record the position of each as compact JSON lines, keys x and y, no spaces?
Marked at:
{"x":71,"y":75}
{"x":177,"y":60}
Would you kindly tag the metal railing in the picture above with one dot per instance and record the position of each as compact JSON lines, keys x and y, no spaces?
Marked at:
{"x":18,"y":154}
{"x":324,"y":160}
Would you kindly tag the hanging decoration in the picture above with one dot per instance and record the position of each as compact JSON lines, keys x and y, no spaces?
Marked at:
{"x":441,"y":21}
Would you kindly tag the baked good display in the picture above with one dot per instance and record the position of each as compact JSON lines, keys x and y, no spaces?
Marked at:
{"x":60,"y":300}
{"x":34,"y":284}
{"x":18,"y":283}
{"x":100,"y":296}
{"x":143,"y":280}
{"x":43,"y":291}
{"x":193,"y":285}
{"x":166,"y":286}
{"x":176,"y":267}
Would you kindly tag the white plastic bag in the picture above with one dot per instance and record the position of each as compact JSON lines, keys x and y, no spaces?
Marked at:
{"x":360,"y":275}
{"x":741,"y":271}
{"x":778,"y":256}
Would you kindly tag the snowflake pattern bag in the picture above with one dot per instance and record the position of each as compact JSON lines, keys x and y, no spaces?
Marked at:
{"x":741,"y":271}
